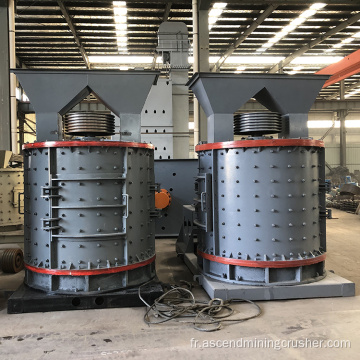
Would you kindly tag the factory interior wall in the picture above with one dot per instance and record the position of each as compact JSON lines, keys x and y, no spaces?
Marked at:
{"x":332,"y":140}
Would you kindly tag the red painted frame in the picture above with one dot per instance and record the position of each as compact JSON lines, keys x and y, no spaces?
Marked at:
{"x":259,"y":143}
{"x":49,"y":144}
{"x":343,"y":69}
{"x":104,"y":271}
{"x":262,"y":264}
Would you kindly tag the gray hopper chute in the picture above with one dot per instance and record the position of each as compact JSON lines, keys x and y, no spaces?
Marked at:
{"x":54,"y":92}
{"x":222,"y":94}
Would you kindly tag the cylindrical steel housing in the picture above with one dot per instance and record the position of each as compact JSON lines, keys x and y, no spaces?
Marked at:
{"x":260,"y":210}
{"x":89,"y":208}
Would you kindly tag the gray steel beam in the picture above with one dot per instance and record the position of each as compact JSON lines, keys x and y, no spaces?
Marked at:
{"x":349,"y":88}
{"x":334,"y":105}
{"x":5,"y":130}
{"x":319,"y":105}
{"x":241,"y":37}
{"x":314,"y":42}
{"x":167,"y":11}
{"x":73,"y":31}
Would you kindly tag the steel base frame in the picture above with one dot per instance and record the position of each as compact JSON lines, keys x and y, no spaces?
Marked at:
{"x":28,"y":300}
{"x":332,"y":285}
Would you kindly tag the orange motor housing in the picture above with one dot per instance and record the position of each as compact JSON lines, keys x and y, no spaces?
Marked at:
{"x":162,"y":199}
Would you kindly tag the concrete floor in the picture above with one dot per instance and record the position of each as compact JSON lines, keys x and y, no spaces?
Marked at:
{"x":122,"y":334}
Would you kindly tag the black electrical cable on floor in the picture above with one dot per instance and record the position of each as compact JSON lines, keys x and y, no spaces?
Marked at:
{"x":179,"y":303}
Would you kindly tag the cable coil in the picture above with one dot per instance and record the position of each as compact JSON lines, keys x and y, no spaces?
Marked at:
{"x":179,"y":303}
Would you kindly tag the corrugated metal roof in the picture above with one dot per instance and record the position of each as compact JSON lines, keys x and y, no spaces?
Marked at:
{"x":44,"y":40}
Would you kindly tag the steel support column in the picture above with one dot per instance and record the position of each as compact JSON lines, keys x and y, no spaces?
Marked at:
{"x":5,"y":132}
{"x":12,"y":65}
{"x":203,"y":63}
{"x":342,"y":116}
{"x":195,"y":17}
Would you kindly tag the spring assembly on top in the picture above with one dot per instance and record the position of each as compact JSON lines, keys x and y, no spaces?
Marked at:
{"x":257,"y":123}
{"x":90,"y":123}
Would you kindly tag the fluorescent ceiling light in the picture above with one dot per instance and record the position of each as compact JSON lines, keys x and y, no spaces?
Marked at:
{"x":240,"y":69}
{"x":289,"y":28}
{"x":122,"y":59}
{"x":298,"y":21}
{"x":212,"y":20}
{"x":295,"y":70}
{"x":215,"y":12}
{"x":121,"y":27}
{"x":292,"y":25}
{"x":119,"y":3}
{"x":246,"y":60}
{"x":119,"y":11}
{"x":121,"y":39}
{"x":347,"y":40}
{"x":317,"y":6}
{"x":120,"y":18}
{"x":302,"y":60}
{"x":352,"y":92}
{"x":314,"y":60}
{"x":307,"y":13}
{"x":120,"y":33}
{"x":219,"y":5}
